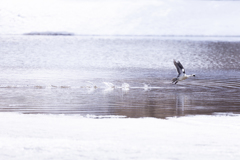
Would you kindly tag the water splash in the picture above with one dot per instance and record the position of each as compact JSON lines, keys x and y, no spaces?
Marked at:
{"x":109,"y":85}
{"x":107,"y":90}
{"x":91,"y":85}
{"x":146,"y":87}
{"x":125,"y":86}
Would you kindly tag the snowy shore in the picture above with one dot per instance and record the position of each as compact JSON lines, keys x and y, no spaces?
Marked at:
{"x":24,"y":136}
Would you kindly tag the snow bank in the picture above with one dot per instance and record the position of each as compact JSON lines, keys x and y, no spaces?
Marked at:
{"x":122,"y":17}
{"x":74,"y":137}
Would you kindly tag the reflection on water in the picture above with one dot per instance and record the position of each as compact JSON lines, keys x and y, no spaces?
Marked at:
{"x":180,"y":99}
{"x":118,"y":76}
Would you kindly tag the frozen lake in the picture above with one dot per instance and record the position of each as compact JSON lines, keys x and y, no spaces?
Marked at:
{"x":123,"y":75}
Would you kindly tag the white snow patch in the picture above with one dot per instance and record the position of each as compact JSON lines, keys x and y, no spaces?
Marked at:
{"x":28,"y":136}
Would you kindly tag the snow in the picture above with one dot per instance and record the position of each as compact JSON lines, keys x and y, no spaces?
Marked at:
{"x":122,"y":17}
{"x":29,"y":136}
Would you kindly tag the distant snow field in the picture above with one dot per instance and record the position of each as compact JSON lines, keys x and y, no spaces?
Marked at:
{"x":27,"y":136}
{"x":121,"y":17}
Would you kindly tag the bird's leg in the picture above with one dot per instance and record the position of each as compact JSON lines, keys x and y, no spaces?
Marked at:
{"x":176,"y":82}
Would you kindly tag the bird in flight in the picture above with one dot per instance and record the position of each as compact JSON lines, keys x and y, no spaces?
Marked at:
{"x":181,"y":73}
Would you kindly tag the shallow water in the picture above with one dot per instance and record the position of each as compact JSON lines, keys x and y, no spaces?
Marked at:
{"x":126,"y":76}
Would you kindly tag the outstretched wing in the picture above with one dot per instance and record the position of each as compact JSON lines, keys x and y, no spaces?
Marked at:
{"x":179,"y":67}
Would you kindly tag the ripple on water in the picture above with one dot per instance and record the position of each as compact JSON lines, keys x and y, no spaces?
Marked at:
{"x":130,"y":77}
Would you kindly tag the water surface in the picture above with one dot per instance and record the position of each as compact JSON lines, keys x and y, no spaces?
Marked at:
{"x":126,"y":76}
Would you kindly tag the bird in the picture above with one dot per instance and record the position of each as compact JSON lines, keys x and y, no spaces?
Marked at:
{"x":181,"y":73}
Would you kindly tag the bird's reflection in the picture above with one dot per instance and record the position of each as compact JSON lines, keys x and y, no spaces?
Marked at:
{"x":180,"y":104}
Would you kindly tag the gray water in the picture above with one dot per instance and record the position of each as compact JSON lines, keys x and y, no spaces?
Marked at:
{"x":122,"y":75}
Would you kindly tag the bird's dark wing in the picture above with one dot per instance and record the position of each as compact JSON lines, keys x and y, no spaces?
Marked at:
{"x":179,"y":70}
{"x":181,"y":67}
